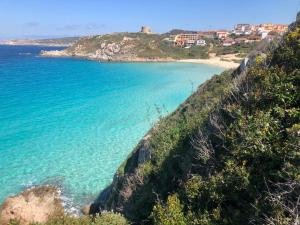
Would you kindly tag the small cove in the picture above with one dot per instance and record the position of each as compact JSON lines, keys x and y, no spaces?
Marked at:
{"x":72,"y":122}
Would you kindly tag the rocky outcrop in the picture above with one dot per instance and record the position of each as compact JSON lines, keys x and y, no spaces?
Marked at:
{"x":55,"y":53}
{"x":34,"y":205}
{"x":107,"y":55}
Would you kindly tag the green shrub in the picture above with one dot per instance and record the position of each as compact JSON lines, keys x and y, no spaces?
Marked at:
{"x":171,"y":214}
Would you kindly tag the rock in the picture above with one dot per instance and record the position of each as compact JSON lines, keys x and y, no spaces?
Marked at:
{"x":86,"y":209}
{"x":34,"y":205}
{"x":144,"y":153}
{"x":54,"y":53}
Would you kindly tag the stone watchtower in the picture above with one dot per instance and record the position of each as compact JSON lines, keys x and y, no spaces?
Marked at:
{"x":146,"y":30}
{"x":298,"y":16}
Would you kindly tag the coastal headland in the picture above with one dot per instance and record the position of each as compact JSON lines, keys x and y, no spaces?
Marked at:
{"x":141,"y":47}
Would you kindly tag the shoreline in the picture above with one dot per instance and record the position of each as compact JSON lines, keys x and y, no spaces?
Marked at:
{"x":225,"y":61}
{"x":228,"y":61}
{"x":212,"y":62}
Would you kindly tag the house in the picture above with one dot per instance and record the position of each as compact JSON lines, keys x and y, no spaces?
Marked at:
{"x":264,"y":34}
{"x":280,"y":28}
{"x":253,"y":38}
{"x":212,"y":34}
{"x":243,"y":29}
{"x":222,"y":34}
{"x":240,"y":40}
{"x":201,"y":42}
{"x":228,"y":42}
{"x":269,"y":27}
{"x":266,"y":27}
{"x":185,"y":39}
{"x":189,"y":42}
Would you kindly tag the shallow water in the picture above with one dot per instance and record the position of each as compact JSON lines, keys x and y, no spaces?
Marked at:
{"x":72,"y":122}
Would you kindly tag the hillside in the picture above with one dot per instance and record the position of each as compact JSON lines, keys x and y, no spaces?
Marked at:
{"x":228,"y":155}
{"x":130,"y":47}
{"x":139,"y":47}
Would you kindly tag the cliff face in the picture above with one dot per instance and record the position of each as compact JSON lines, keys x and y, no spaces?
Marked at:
{"x":226,"y":154}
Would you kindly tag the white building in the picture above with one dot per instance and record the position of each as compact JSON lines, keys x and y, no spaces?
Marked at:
{"x":201,"y":42}
{"x":242,"y":29}
{"x":264,"y":34}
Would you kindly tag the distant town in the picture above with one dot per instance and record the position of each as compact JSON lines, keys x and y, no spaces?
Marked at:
{"x":241,"y":33}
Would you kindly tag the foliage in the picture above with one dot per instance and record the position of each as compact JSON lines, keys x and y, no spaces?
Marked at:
{"x":171,"y":214}
{"x":241,"y":49}
{"x":227,"y":154}
{"x":105,"y":218}
{"x":156,"y":46}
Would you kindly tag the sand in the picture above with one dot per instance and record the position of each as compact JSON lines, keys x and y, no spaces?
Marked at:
{"x":225,"y":61}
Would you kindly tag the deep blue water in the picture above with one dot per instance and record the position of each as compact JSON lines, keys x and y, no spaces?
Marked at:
{"x":72,"y":122}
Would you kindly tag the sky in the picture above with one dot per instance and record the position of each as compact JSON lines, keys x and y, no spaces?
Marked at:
{"x":58,"y":18}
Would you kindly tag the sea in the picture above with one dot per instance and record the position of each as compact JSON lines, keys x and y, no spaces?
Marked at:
{"x":72,"y":122}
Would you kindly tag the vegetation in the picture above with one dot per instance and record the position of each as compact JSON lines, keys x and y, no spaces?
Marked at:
{"x":243,"y":49}
{"x":229,"y":154}
{"x":152,"y":46}
{"x":107,"y":218}
{"x":140,"y":45}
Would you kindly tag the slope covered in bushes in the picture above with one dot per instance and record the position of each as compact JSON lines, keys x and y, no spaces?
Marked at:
{"x":228,"y":155}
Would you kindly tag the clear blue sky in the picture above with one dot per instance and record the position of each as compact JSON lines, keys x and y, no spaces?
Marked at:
{"x":46,"y":18}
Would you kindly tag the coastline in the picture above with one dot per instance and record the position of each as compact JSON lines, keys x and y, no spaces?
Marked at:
{"x":226,"y":61}
{"x":212,"y":62}
{"x":229,"y":61}
{"x":68,"y":203}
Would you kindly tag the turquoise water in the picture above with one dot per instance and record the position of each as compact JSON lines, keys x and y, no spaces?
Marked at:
{"x":72,"y":122}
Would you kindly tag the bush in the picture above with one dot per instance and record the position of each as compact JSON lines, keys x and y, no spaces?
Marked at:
{"x":171,"y":214}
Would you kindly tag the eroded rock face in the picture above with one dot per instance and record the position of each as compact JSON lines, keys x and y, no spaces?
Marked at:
{"x":34,"y":205}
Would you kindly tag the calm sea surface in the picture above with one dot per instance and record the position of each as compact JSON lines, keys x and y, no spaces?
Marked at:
{"x":72,"y":122}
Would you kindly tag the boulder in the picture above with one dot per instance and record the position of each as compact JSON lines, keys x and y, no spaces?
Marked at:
{"x":86,"y":209}
{"x":33,"y":205}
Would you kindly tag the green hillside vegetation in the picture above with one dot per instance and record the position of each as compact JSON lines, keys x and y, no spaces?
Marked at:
{"x":228,"y":155}
{"x":154,"y":46}
{"x":243,"y":49}
{"x":107,"y":218}
{"x":61,"y":41}
{"x":141,"y":45}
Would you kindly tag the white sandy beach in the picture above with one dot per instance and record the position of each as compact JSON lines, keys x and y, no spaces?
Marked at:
{"x":225,"y":61}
